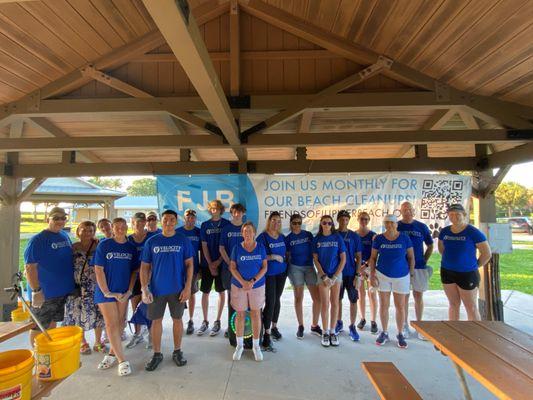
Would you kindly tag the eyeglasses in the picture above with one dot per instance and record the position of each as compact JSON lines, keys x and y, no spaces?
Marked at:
{"x":59,"y":218}
{"x":327,"y":223}
{"x":296,"y":222}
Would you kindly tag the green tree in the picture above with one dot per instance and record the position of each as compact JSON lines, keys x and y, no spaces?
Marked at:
{"x":511,"y":196}
{"x":142,"y":187}
{"x":108,"y":183}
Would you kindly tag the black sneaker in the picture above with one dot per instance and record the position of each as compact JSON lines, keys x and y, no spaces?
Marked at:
{"x":266,"y":344}
{"x":190,"y":327}
{"x":373,"y":327}
{"x":226,"y":334}
{"x":334,"y":339}
{"x":215,"y":329}
{"x":154,"y":362}
{"x":276,"y":334}
{"x":361,"y":324}
{"x":300,"y":332}
{"x":316,"y":330}
{"x":177,"y":357}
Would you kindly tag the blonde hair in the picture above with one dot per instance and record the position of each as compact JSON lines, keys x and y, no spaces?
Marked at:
{"x":217,"y":204}
{"x":269,"y":220}
{"x":246,"y":224}
{"x":85,"y":224}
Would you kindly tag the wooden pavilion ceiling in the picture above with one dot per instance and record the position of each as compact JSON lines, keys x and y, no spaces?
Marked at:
{"x":480,"y":46}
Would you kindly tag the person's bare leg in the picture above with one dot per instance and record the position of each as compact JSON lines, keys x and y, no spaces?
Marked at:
{"x":362,"y":299}
{"x":406,"y":309}
{"x":353,"y":313}
{"x":157,"y":331}
{"x":239,"y":324}
{"x":221,"y":303}
{"x":98,"y":335}
{"x":334,"y":301}
{"x":469,"y":299}
{"x":419,"y":304}
{"x":191,"y":305}
{"x":205,"y":305}
{"x":373,"y":302}
{"x":298,"y":303}
{"x":399,"y":305}
{"x":255,"y":315}
{"x":113,"y":322}
{"x":315,"y":296}
{"x":324,"y":304}
{"x":339,"y":310}
{"x":134,"y":303}
{"x":177,"y":331}
{"x":384,"y":304}
{"x":454,"y":300}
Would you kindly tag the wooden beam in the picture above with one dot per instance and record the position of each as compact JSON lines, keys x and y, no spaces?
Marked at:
{"x":114,"y":83}
{"x":346,"y":83}
{"x":28,"y":191}
{"x":234,"y":48}
{"x":44,"y":125}
{"x":304,"y":125}
{"x":175,"y":127}
{"x":181,"y":32}
{"x":495,"y":181}
{"x":226,"y":167}
{"x":516,"y":155}
{"x":404,"y":150}
{"x":471,"y":123}
{"x":61,"y":142}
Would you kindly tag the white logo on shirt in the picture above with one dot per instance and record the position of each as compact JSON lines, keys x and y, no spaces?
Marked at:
{"x":60,"y":245}
{"x":234,"y":234}
{"x":413,"y":233}
{"x":299,"y":241}
{"x":275,"y":245}
{"x":327,"y":244}
{"x":212,"y":231}
{"x":391,"y":246}
{"x":166,"y":249}
{"x":458,"y":238}
{"x":251,"y":258}
{"x":119,"y":256}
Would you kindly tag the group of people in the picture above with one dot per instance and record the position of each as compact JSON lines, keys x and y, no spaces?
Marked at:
{"x":91,"y":282}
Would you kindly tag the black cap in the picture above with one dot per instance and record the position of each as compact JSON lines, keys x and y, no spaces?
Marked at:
{"x":343,"y":213}
{"x":139,"y":215}
{"x":456,"y":207}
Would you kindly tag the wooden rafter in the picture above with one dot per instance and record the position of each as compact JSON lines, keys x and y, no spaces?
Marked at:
{"x":495,"y":181}
{"x":235,"y":48}
{"x":181,"y":32}
{"x":28,"y":190}
{"x":516,"y":155}
{"x":114,"y":83}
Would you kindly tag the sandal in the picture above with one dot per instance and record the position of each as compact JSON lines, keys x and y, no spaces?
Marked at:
{"x":124,"y":368}
{"x":108,"y":361}
{"x":100,"y":347}
{"x":85,"y":349}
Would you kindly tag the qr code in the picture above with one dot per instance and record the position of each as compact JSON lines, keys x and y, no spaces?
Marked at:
{"x":437,"y":195}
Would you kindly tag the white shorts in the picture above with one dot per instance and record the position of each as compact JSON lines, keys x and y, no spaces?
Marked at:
{"x":420,"y":281}
{"x":396,"y":285}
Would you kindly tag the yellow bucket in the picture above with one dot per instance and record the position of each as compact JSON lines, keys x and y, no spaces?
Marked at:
{"x":16,"y":368}
{"x":60,"y":357}
{"x":19,"y":315}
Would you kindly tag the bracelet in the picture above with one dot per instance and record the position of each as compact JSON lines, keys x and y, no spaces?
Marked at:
{"x":253,"y":280}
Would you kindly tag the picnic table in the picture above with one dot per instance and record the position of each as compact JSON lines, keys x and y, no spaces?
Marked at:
{"x":499,"y":356}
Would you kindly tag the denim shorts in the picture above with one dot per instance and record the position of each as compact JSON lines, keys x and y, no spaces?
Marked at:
{"x":300,"y":275}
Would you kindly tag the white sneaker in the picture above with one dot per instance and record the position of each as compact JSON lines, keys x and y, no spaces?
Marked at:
{"x":421,"y":337}
{"x":134,"y":341}
{"x":258,"y":354}
{"x":124,"y":368}
{"x":238,"y":353}
{"x":406,"y":331}
{"x":107,"y":362}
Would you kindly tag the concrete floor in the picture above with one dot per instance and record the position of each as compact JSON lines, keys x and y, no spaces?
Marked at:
{"x":299,"y":369}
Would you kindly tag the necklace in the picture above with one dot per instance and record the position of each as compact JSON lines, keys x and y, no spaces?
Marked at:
{"x":216,"y":226}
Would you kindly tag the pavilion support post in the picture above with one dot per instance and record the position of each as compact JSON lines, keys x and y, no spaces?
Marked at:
{"x":112,"y":210}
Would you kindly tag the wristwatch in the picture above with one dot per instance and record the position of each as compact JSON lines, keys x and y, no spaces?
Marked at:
{"x":253,"y":280}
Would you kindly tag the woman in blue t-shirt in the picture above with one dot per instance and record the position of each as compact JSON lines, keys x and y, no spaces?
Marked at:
{"x":366,"y":236}
{"x":276,"y":275}
{"x":248,"y":267}
{"x":329,"y":253}
{"x":392,"y":265}
{"x":459,"y":273}
{"x":116,"y":266}
{"x":301,"y":271}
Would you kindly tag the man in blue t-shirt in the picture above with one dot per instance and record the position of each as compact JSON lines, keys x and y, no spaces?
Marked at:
{"x":419,"y":234}
{"x":50,"y":271}
{"x":229,"y":237}
{"x":166,"y":276}
{"x":193,"y":233}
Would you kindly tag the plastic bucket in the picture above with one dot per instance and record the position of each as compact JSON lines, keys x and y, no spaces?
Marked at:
{"x":19,"y":315}
{"x":60,"y":357}
{"x":16,"y":374}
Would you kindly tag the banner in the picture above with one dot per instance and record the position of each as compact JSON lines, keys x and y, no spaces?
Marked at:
{"x":315,"y":195}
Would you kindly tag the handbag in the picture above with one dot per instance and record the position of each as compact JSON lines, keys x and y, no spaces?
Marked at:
{"x":77,"y":286}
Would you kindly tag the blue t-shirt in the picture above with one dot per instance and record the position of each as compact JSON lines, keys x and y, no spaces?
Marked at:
{"x":300,"y":247}
{"x":277,"y":247}
{"x":210,"y":233}
{"x":419,"y":234}
{"x":329,"y":248}
{"x":230,"y":237}
{"x":119,"y":260}
{"x":366,"y":242}
{"x":167,"y":256}
{"x":460,"y":248}
{"x":392,"y":255}
{"x":248,"y":263}
{"x":353,"y":245}
{"x":139,"y":246}
{"x":194,"y":237}
{"x":52,"y":252}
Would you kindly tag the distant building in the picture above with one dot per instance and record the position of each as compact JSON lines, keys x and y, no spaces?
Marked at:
{"x":124,"y":207}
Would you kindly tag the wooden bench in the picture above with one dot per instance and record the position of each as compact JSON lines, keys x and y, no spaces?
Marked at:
{"x":389,"y":381}
{"x":11,"y":329}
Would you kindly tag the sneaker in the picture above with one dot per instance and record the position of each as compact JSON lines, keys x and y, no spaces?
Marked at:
{"x":149,"y":344}
{"x":325,"y":340}
{"x":406,"y":331}
{"x":373,"y":327}
{"x":226,"y":334}
{"x":316,"y":330}
{"x":190,"y":327}
{"x":382,"y":338}
{"x":339,"y":327}
{"x":238,"y":353}
{"x":266,"y":343}
{"x":361,"y":324}
{"x":177,"y":357}
{"x":215,"y":329}
{"x":134,"y":341}
{"x":124,"y":368}
{"x":275,"y":333}
{"x":300,"y":332}
{"x":402,"y":344}
{"x":334,"y":339}
{"x":203,"y":328}
{"x":154,"y":362}
{"x":420,"y":336}
{"x":353,"y":333}
{"x":258,"y":354}
{"x":123,"y":336}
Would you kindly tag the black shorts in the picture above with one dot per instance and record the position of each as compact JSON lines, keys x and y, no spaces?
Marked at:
{"x":207,"y":281}
{"x":465,"y":280}
{"x":225,"y":275}
{"x":347,"y":284}
{"x":52,"y":310}
{"x":156,"y":309}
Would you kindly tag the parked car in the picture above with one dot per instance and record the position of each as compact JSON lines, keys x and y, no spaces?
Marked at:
{"x":521,"y":224}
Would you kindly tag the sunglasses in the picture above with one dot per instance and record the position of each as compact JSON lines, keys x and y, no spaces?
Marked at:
{"x":327,"y":223}
{"x":364,"y":219}
{"x":152,"y":219}
{"x":296,"y":222}
{"x":59,"y":218}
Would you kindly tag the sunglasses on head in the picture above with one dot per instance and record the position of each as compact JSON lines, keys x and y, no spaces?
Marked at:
{"x":59,"y":218}
{"x":296,"y":222}
{"x":327,"y":223}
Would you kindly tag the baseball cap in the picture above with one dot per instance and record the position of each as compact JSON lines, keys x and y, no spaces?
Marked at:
{"x":390,"y":218}
{"x":139,"y":215}
{"x":456,"y":207}
{"x":189,"y":211}
{"x":152,"y":214}
{"x":57,"y":212}
{"x":343,"y":213}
